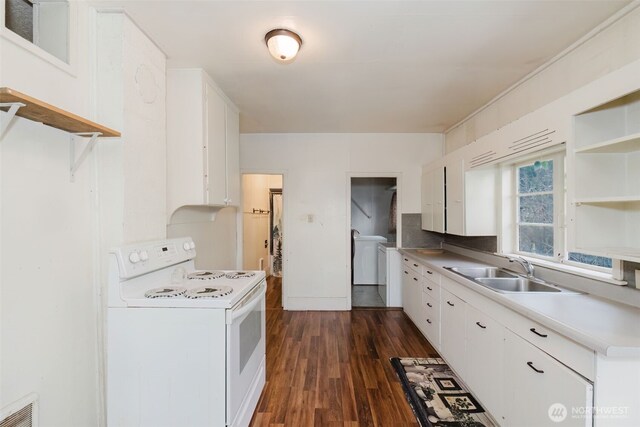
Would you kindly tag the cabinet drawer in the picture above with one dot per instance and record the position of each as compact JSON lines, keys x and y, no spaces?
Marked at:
{"x":431,"y":288}
{"x":430,"y":306}
{"x":412,"y":264}
{"x":431,"y":275}
{"x":572,"y":354}
{"x":432,"y":330}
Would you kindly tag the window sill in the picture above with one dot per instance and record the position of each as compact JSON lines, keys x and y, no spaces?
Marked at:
{"x":571,"y":269}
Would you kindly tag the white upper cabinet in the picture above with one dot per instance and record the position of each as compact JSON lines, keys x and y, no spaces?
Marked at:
{"x":470,"y":202}
{"x":606,"y":172}
{"x":433,"y":202}
{"x":202,"y":143}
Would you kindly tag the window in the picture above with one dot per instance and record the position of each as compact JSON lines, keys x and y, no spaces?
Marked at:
{"x":540,"y":197}
{"x":535,"y":208}
{"x":45,"y":23}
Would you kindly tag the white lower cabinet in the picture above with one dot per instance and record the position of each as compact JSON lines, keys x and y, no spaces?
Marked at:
{"x":431,"y":316}
{"x":539,"y":390}
{"x":452,"y":325}
{"x":412,"y":295}
{"x":484,"y":369}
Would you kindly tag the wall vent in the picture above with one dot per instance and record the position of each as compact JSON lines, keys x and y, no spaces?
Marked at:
{"x":532,"y":141}
{"x":483,"y":158}
{"x":22,"y":413}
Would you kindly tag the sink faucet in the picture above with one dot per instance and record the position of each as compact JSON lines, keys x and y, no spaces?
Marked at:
{"x":528,"y":267}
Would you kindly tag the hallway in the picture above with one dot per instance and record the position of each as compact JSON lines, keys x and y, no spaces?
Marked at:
{"x":332,"y":368}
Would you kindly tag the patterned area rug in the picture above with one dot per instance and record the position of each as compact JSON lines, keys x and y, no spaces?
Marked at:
{"x":437,"y":396}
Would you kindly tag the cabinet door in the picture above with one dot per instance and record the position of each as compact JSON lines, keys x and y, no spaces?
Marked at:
{"x":216,"y":162}
{"x":406,"y":296}
{"x":427,"y":200}
{"x":485,"y":344}
{"x":233,"y":157}
{"x":455,"y":197}
{"x":539,"y":390}
{"x":452,"y":337}
{"x":438,"y":200}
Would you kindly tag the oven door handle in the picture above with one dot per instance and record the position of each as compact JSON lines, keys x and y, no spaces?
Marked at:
{"x":247,"y":307}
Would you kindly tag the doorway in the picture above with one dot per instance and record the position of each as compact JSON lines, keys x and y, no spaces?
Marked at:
{"x":373,"y":225}
{"x":262,"y":225}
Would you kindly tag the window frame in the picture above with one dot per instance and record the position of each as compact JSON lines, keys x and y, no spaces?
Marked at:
{"x":557,"y":225}
{"x":70,"y":67}
{"x":511,"y":206}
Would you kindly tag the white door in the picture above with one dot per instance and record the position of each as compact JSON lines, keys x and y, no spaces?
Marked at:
{"x":455,"y":197}
{"x":438,"y":200}
{"x":452,"y":339}
{"x":233,"y":157}
{"x":427,"y":200}
{"x":484,"y":369}
{"x":541,"y":391}
{"x":215,"y":158}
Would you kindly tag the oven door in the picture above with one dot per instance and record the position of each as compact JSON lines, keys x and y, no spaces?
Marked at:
{"x":246,"y":344}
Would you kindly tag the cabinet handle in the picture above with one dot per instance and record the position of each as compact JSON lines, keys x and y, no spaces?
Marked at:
{"x":415,"y":279}
{"x":428,"y":321}
{"x":406,"y":259}
{"x":429,"y":304}
{"x":415,"y":265}
{"x":538,"y":333}
{"x":406,"y":272}
{"x":449,"y":302}
{"x":429,"y":287}
{"x":540,"y":371}
{"x":428,"y":272}
{"x":480,"y":324}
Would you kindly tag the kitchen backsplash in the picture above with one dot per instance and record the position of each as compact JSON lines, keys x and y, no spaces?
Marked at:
{"x":413,"y":236}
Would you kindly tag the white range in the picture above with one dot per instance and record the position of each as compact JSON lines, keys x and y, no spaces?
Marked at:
{"x":184,"y":347}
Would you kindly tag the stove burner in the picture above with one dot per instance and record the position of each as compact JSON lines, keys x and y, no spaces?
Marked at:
{"x":209,"y":292}
{"x":240,"y":274}
{"x":168,"y":292}
{"x":205,"y":275}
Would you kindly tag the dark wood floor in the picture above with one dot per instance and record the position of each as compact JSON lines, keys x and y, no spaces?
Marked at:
{"x":332,"y":368}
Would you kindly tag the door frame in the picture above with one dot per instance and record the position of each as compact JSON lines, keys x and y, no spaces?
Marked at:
{"x":285,"y":223}
{"x":398,"y":177}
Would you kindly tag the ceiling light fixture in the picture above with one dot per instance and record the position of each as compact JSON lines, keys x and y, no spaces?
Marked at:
{"x":283,"y":44}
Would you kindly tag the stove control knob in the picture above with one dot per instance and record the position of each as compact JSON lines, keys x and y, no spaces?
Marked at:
{"x":186,"y":246}
{"x":144,"y":255}
{"x":192,"y":245}
{"x":134,"y":257}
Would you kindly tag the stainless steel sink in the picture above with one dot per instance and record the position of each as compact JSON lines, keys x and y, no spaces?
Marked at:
{"x":515,"y":284}
{"x":478,"y":272}
{"x":505,"y":281}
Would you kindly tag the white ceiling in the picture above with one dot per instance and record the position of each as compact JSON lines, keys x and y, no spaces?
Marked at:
{"x":366,"y":66}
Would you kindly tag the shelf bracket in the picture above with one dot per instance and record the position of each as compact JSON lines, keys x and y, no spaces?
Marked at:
{"x":13,"y":109}
{"x":75,"y":164}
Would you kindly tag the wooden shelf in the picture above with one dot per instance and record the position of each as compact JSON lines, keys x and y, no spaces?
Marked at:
{"x":40,"y":111}
{"x":607,"y":200}
{"x":625,"y":144}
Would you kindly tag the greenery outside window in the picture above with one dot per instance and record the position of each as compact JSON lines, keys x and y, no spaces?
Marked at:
{"x":539,"y":231}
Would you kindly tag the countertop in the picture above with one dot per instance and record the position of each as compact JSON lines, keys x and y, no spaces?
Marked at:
{"x":608,"y":327}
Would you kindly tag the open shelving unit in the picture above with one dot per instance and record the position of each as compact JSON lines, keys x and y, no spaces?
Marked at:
{"x":607,"y":179}
{"x":15,"y":103}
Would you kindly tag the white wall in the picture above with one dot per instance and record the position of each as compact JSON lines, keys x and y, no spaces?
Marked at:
{"x":53,"y":233}
{"x":216,"y":241}
{"x":47,"y":293}
{"x":316,"y":170}
{"x":611,"y":49}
